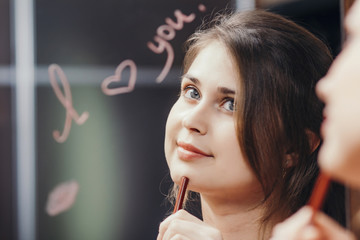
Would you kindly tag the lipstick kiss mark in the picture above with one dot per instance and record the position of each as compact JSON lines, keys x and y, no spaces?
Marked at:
{"x":62,"y":198}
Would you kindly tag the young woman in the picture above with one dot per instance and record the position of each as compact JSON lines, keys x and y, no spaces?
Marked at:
{"x":245,"y":129}
{"x":340,"y":153}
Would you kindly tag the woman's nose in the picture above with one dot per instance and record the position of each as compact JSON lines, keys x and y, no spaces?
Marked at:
{"x":196,"y":119}
{"x":323,"y":87}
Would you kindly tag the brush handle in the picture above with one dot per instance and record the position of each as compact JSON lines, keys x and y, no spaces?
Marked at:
{"x":319,"y":192}
{"x":181,"y":194}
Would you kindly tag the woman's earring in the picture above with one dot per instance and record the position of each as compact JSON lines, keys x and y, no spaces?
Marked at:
{"x":289,"y":161}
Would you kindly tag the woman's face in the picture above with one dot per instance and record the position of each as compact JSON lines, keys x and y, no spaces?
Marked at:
{"x":200,"y":140}
{"x":340,"y":90}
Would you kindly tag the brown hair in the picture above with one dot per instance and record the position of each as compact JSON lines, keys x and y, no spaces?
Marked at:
{"x":279,"y":63}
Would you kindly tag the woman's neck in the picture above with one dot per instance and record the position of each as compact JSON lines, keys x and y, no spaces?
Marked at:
{"x":234,"y":220}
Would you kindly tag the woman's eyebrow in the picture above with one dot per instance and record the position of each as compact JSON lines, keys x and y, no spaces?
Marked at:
{"x":225,"y":90}
{"x":191,"y":78}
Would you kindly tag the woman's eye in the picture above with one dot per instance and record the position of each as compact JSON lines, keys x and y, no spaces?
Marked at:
{"x":229,"y":105}
{"x":191,"y":92}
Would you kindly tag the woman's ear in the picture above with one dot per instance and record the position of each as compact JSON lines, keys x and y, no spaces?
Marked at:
{"x":290,"y":160}
{"x":314,"y":140}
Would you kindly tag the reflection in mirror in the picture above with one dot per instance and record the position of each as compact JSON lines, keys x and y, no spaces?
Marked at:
{"x":122,"y":61}
{"x":114,"y":68}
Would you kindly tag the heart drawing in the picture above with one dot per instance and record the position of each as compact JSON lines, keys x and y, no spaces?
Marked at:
{"x":117,"y":78}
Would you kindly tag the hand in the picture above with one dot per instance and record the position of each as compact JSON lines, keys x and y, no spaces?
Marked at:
{"x":184,"y":226}
{"x":299,"y":227}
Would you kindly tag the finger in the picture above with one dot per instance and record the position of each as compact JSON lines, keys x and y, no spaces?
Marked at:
{"x":175,"y":229}
{"x":179,"y":237}
{"x":331,"y":229}
{"x":311,"y":232}
{"x":301,"y":218}
{"x":290,"y":228}
{"x":180,"y":215}
{"x":191,"y":230}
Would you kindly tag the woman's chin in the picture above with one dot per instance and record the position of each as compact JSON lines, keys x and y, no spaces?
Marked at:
{"x":176,"y":176}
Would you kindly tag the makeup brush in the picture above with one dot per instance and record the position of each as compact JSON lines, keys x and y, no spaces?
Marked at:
{"x":181,"y":194}
{"x":319,"y":192}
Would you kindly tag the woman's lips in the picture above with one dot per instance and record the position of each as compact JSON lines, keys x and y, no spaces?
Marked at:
{"x":323,"y":126}
{"x":188,"y":152}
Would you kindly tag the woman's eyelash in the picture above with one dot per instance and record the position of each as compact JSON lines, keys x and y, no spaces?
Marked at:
{"x":229,"y":99}
{"x":187,"y":87}
{"x":183,"y":88}
{"x":191,"y":92}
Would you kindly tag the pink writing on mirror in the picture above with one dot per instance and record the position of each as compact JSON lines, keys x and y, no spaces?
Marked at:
{"x":117,"y":78}
{"x":164,"y":33}
{"x":66,"y":101}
